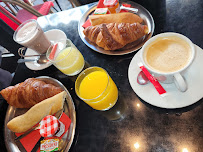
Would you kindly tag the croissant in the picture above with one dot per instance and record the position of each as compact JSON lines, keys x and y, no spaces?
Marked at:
{"x":114,"y":36}
{"x":29,"y":93}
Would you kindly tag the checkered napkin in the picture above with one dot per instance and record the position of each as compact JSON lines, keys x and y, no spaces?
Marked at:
{"x":48,"y":126}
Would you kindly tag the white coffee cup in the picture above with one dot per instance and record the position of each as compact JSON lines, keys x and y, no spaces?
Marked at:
{"x":167,"y":56}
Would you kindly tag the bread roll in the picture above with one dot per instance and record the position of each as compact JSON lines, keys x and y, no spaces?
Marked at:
{"x":115,"y":18}
{"x":35,"y":114}
{"x":28,"y":93}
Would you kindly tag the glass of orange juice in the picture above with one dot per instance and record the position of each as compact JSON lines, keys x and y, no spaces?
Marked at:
{"x":66,"y":57}
{"x":96,"y":88}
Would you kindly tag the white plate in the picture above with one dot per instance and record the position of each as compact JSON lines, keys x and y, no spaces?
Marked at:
{"x":175,"y":98}
{"x":52,"y":35}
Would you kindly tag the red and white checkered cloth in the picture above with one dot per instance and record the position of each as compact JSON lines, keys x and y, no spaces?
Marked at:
{"x":49,"y":126}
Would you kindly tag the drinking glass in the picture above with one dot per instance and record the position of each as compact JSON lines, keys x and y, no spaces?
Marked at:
{"x":66,"y":57}
{"x":96,"y":88}
{"x":30,"y":35}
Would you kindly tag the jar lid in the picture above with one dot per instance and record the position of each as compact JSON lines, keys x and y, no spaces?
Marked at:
{"x":48,"y":126}
{"x":110,"y":3}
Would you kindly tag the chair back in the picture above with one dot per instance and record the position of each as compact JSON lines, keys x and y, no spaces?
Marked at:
{"x":9,"y":19}
{"x":23,"y":5}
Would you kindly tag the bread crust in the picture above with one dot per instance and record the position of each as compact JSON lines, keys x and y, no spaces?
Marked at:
{"x":115,"y":18}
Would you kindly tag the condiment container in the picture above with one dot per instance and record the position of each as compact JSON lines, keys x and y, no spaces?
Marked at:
{"x":51,"y":126}
{"x":99,"y":11}
{"x":49,"y":145}
{"x":112,"y":5}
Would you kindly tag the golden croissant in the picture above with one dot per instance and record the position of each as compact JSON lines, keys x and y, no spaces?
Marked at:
{"x":114,"y":36}
{"x":29,"y":93}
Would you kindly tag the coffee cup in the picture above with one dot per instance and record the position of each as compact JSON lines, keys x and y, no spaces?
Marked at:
{"x":168,"y":56}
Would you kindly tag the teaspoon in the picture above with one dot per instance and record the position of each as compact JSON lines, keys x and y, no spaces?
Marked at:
{"x":142,"y":78}
{"x":41,"y":60}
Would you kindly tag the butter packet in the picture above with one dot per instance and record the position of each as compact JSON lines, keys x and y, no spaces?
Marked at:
{"x":49,"y":145}
{"x":101,"y":11}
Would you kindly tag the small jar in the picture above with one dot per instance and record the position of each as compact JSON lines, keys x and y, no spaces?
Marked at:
{"x":50,"y":126}
{"x":112,"y":5}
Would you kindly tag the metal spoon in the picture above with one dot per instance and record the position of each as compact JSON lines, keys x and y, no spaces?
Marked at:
{"x":142,"y":78}
{"x":25,"y":60}
{"x":41,"y":60}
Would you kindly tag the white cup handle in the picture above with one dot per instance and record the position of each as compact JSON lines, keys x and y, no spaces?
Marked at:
{"x":180,"y":82}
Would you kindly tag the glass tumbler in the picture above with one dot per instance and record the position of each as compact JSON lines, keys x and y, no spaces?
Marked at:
{"x":96,"y":88}
{"x":66,"y":57}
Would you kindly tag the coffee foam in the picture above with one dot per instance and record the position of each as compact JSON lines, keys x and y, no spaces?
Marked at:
{"x":168,"y":54}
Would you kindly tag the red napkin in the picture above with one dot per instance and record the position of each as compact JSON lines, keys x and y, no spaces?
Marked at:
{"x":32,"y":138}
{"x":86,"y":24}
{"x":101,"y":5}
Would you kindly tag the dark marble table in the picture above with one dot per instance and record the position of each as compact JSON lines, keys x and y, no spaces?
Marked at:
{"x":143,"y":128}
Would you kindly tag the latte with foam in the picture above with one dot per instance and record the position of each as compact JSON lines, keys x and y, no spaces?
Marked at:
{"x":167,"y":54}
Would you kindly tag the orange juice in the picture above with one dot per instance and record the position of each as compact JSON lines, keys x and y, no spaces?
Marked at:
{"x":97,"y":89}
{"x":93,"y":85}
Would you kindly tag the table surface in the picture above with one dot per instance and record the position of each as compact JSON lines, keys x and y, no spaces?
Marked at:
{"x":141,"y":127}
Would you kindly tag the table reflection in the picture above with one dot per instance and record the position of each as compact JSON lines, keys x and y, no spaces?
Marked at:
{"x":118,"y":111}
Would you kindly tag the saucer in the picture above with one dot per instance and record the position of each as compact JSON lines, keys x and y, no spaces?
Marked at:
{"x":175,"y":98}
{"x":52,"y":35}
